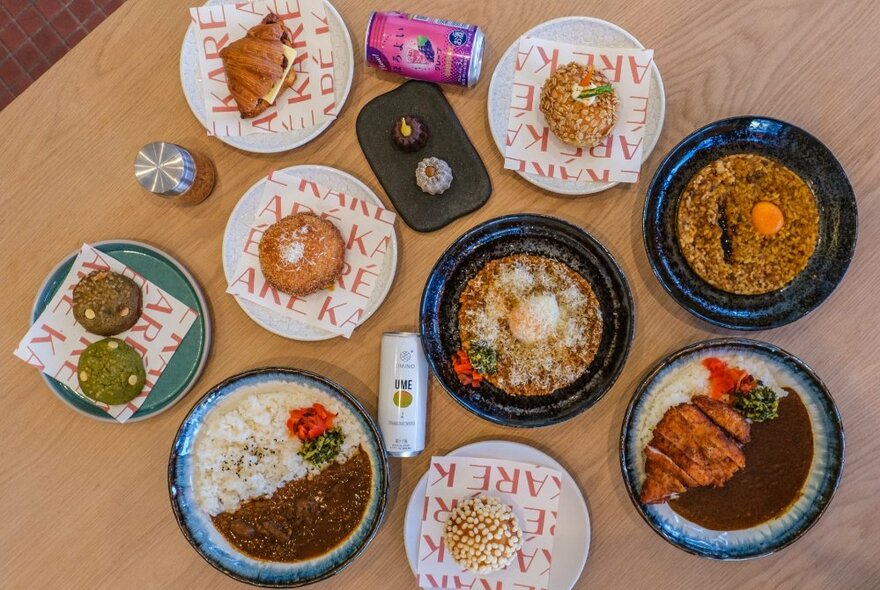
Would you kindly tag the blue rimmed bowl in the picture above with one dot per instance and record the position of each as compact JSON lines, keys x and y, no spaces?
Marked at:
{"x":195,"y":523}
{"x":808,"y":158}
{"x":544,"y":236}
{"x":822,"y":481}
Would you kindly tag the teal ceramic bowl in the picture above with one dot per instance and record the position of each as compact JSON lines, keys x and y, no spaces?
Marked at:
{"x":195,"y":523}
{"x":188,"y":361}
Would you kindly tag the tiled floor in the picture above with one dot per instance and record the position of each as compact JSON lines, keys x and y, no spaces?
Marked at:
{"x":34,"y":34}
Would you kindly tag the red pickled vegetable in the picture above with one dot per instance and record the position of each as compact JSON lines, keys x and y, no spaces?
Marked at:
{"x":310,"y":422}
{"x":724,"y":380}
{"x":466,"y":373}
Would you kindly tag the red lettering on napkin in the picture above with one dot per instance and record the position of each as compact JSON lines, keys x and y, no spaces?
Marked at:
{"x":366,"y":229}
{"x":532,"y":492}
{"x":530,"y":146}
{"x":296,"y":108}
{"x":55,"y":341}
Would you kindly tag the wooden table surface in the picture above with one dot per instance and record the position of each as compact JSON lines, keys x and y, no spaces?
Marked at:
{"x":85,"y":504}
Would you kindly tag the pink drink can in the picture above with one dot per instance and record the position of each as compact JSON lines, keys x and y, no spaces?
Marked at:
{"x":431,"y":49}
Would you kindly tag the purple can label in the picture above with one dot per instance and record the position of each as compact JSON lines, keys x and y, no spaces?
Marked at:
{"x":431,"y":49}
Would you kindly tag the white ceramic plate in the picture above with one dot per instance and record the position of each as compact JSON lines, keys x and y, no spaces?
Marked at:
{"x":239,"y":224}
{"x":571,"y":543}
{"x":577,"y":30}
{"x":268,"y":143}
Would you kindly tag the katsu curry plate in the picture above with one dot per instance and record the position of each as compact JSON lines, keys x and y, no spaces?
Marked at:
{"x":278,"y":477}
{"x":750,"y":223}
{"x":731,"y":449}
{"x":526,"y":320}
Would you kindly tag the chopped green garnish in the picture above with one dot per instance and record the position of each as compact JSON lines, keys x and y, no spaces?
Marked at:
{"x":323,"y":449}
{"x":759,"y":404}
{"x":591,"y":92}
{"x":483,"y":358}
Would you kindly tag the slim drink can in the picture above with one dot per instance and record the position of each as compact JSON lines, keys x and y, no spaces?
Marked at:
{"x":403,"y":394}
{"x":424,"y":48}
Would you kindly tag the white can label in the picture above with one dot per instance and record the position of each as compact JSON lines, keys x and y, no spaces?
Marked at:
{"x":403,"y":394}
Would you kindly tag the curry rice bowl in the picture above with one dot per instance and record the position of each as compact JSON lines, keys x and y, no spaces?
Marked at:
{"x":245,"y":451}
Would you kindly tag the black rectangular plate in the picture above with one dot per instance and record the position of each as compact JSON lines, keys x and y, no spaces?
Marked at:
{"x":447,"y":140}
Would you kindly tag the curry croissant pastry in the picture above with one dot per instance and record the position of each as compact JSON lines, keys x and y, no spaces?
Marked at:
{"x":259,"y":65}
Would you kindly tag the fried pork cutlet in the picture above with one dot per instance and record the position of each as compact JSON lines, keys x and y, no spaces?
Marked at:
{"x":688,"y":449}
{"x":665,"y":480}
{"x":692,"y":464}
{"x":662,"y":461}
{"x":714,"y":442}
{"x":726,"y":417}
{"x":691,"y":431}
{"x":660,"y":485}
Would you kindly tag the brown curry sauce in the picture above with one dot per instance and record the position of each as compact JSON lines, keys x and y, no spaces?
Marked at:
{"x":778,"y":460}
{"x":304,"y":518}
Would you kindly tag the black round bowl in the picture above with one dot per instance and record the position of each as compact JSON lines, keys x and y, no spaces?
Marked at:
{"x":544,"y":236}
{"x":808,"y":158}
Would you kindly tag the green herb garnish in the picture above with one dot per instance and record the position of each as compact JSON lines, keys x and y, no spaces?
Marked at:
{"x":324,"y":448}
{"x":759,"y":404}
{"x":483,"y":358}
{"x":591,"y":92}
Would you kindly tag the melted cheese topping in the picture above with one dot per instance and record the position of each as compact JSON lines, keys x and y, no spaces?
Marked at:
{"x":290,"y":54}
{"x":541,"y":317}
{"x":534,"y":318}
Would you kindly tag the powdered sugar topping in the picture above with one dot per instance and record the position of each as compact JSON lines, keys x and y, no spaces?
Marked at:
{"x":293,"y":251}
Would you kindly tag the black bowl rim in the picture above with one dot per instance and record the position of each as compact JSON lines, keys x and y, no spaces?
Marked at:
{"x":383,"y":468}
{"x":687,"y":303}
{"x":721,"y":342}
{"x":614,"y":267}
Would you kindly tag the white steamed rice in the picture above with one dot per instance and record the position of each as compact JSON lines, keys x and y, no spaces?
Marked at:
{"x":245,"y":451}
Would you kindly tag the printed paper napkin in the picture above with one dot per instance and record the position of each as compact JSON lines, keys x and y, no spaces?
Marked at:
{"x":55,"y":341}
{"x":533,"y":493}
{"x":530,"y":145}
{"x":366,"y":228}
{"x":311,"y":100}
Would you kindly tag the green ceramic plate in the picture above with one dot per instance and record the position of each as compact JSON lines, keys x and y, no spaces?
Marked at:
{"x":187,"y":363}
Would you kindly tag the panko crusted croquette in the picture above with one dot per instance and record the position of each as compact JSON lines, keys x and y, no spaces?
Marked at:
{"x":302,"y":253}
{"x":582,"y":122}
{"x":482,"y":534}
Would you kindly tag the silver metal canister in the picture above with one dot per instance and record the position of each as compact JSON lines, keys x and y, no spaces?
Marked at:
{"x":403,"y":394}
{"x":173,"y":172}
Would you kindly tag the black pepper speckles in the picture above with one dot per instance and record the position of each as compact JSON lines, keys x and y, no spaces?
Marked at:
{"x":200,"y":532}
{"x":250,"y":455}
